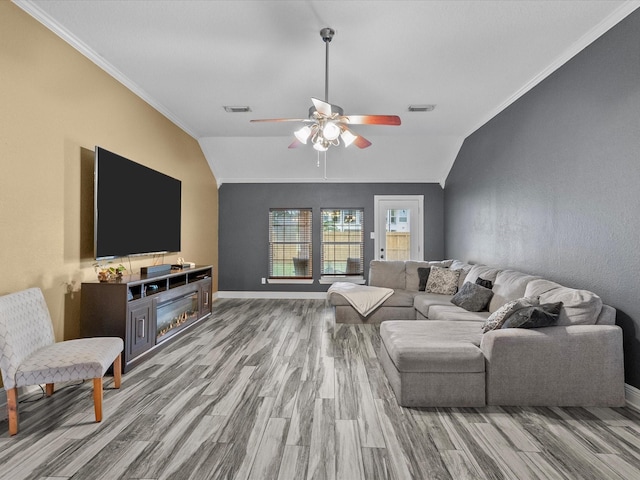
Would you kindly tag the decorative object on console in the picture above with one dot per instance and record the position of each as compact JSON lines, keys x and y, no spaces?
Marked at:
{"x":106,"y":273}
{"x":472,"y":297}
{"x":443,"y":281}
{"x":327,"y":123}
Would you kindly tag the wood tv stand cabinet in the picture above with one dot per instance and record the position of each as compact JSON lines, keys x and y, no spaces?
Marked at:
{"x":145,"y":310}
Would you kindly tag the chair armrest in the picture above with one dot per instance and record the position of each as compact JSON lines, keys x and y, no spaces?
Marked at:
{"x":555,"y":366}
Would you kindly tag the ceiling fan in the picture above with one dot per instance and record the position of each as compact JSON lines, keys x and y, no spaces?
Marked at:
{"x":327,"y":124}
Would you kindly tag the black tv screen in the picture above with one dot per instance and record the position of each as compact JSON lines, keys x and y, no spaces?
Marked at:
{"x":137,"y":209}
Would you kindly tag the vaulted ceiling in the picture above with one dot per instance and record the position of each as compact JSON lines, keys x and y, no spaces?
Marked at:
{"x":188,"y":59}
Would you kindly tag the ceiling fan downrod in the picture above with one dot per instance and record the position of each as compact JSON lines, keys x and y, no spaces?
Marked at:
{"x":327,"y":35}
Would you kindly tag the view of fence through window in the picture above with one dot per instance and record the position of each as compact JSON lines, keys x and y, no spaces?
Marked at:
{"x":342,"y":251}
{"x":290,"y":243}
{"x":398,"y":235}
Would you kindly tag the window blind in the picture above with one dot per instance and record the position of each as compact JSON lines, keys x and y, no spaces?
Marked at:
{"x":290,"y":243}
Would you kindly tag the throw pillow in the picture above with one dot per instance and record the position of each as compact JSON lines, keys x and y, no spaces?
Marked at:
{"x":485,"y":283}
{"x":545,"y":315}
{"x":497,"y":318}
{"x":443,"y":281}
{"x":423,"y":275}
{"x":472,"y":297}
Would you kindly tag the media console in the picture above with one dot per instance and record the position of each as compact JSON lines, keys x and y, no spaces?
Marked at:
{"x":145,"y":310}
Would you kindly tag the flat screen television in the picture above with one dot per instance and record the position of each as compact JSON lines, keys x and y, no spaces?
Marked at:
{"x":137,"y":209}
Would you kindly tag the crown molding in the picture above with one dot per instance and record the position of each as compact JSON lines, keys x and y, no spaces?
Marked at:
{"x":600,"y":29}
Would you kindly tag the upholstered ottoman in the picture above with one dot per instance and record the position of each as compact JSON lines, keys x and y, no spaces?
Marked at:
{"x":434,"y":363}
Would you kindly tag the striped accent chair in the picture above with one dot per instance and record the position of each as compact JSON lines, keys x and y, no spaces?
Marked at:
{"x":29,"y":354}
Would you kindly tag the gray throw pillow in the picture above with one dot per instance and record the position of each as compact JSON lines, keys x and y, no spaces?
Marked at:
{"x":497,"y":318}
{"x":472,"y":297}
{"x":545,"y":315}
{"x":442,"y":281}
{"x":485,"y":283}
{"x":423,"y":275}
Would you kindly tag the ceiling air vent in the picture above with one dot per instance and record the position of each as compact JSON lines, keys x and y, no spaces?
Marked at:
{"x":237,"y":109}
{"x":421,"y":108}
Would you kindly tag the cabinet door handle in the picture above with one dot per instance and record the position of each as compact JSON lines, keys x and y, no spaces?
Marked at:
{"x":141,"y":328}
{"x":206,"y":299}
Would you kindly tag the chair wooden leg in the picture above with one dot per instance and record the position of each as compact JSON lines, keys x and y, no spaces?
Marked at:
{"x":97,"y":398}
{"x":49,"y":389}
{"x":12,"y":408}
{"x":117,"y":371}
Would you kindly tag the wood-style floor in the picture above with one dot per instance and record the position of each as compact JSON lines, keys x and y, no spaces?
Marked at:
{"x":265,"y":390}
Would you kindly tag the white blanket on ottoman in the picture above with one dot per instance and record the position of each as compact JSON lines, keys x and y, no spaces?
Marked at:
{"x":363,"y":298}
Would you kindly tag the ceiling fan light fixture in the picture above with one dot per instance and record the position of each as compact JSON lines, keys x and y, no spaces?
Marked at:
{"x":347,"y":137}
{"x":320,"y":146}
{"x":330,"y":131}
{"x":303,"y":134}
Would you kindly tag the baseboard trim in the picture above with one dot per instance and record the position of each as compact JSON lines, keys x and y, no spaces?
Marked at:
{"x":275,"y":295}
{"x":632,"y":396}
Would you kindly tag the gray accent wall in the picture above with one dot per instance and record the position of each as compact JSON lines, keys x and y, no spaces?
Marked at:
{"x":244,"y":224}
{"x":551,"y":186}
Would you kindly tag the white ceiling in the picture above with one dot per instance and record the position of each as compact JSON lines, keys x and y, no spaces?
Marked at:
{"x":190,"y":58}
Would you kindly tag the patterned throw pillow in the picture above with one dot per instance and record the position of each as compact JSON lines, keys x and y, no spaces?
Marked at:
{"x":497,"y":318}
{"x":443,"y":281}
{"x":423,"y":275}
{"x":472,"y":297}
{"x":545,"y":315}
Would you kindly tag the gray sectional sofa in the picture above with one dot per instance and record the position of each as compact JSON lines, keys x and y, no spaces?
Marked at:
{"x":435,"y":353}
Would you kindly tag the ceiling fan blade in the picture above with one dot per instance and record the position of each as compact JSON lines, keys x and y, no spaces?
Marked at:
{"x":323,"y":108}
{"x":296,"y":143}
{"x":283,"y":120}
{"x":361,"y":142}
{"x":370,"y":119}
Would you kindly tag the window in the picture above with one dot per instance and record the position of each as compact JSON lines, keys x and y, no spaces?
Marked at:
{"x":342,"y":251}
{"x":290,"y":243}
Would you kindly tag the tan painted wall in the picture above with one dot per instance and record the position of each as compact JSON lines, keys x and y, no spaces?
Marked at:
{"x":50,"y":96}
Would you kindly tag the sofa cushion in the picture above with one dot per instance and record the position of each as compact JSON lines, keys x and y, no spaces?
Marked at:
{"x":457,"y":265}
{"x":428,"y":346}
{"x":452,"y":312}
{"x":423,"y":301}
{"x":488,"y":273}
{"x":544,"y":315}
{"x":580,"y":307}
{"x":537,"y":287}
{"x":400,"y":298}
{"x":509,"y":285}
{"x":464,"y":271}
{"x":387,"y":274}
{"x":472,"y":297}
{"x":443,"y":281}
{"x":497,"y":318}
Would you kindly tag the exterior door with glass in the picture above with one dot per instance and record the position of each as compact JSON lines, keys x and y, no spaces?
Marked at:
{"x":399,"y":227}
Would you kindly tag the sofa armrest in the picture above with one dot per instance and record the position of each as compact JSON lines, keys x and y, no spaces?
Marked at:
{"x":555,"y":366}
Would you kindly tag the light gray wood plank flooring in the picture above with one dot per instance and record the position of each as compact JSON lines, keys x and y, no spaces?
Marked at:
{"x":266,"y":389}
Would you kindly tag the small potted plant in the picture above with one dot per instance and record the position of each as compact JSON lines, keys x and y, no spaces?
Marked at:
{"x":106,"y":273}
